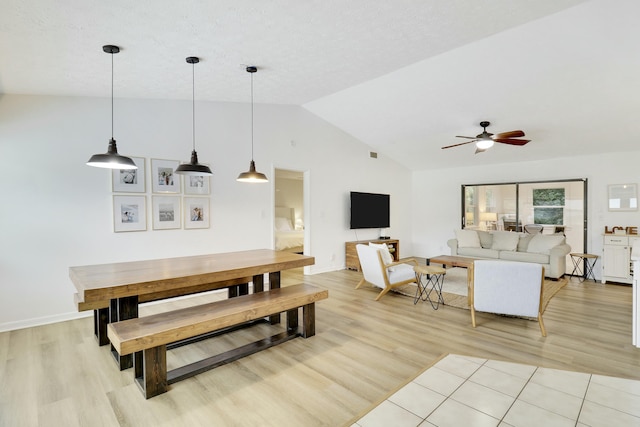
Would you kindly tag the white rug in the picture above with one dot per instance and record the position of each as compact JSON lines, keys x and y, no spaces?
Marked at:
{"x":455,"y":282}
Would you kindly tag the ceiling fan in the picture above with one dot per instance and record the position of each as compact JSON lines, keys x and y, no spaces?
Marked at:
{"x":485,"y":140}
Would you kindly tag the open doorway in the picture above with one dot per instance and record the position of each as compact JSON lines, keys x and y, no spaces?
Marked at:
{"x":289,"y":212}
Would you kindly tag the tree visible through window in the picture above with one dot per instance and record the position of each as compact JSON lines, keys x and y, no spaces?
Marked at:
{"x":548,"y":206}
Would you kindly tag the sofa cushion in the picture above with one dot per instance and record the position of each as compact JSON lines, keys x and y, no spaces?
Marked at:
{"x":542,"y":244}
{"x":524,"y":257}
{"x":479,"y":253}
{"x":505,"y":241}
{"x":486,"y":239}
{"x":468,"y":239}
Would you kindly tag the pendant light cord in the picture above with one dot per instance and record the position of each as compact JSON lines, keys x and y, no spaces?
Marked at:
{"x":112,"y":95}
{"x":251,"y":116}
{"x":193,"y":104}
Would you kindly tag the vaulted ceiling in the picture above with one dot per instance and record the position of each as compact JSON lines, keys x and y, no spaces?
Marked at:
{"x":404,"y":77}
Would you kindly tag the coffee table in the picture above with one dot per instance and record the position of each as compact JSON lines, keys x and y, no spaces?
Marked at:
{"x":455,"y":261}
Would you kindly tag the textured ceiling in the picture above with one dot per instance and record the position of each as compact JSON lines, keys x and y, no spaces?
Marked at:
{"x":403,"y":76}
{"x":306,"y":49}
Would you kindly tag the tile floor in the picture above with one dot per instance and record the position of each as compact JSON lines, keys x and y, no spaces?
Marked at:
{"x":466,"y":391}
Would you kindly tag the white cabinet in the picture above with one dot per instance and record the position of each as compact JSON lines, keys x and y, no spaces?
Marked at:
{"x":616,"y":258}
{"x":635,"y":259}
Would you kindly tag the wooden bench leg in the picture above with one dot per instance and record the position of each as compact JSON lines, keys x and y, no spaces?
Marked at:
{"x":309,"y":320}
{"x":150,"y":368}
{"x":100,"y":321}
{"x":292,"y":319}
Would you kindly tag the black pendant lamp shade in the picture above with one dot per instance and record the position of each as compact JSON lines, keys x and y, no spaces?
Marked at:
{"x":111,"y":159}
{"x":193,"y":167}
{"x":252,"y":175}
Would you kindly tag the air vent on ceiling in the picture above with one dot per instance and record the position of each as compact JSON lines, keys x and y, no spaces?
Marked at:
{"x":373,"y":154}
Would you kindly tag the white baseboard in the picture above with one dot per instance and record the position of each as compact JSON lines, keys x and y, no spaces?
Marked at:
{"x":39,"y":321}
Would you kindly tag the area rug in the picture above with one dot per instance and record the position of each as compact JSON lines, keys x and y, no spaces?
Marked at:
{"x":454,"y":290}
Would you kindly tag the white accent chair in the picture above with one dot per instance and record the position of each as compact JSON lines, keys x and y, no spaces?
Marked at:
{"x":507,"y":287}
{"x":381,"y":275}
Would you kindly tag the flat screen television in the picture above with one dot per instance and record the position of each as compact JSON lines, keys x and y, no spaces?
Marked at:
{"x":369,"y":210}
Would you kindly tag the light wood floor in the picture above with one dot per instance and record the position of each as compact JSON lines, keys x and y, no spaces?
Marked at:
{"x":363,"y":350}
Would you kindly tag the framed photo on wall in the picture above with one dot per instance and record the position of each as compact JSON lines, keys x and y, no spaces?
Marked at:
{"x":130,"y":180}
{"x":129,"y":213}
{"x":623,"y":197}
{"x":196,"y":184}
{"x":166,"y":212}
{"x":163,"y":176}
{"x":196,"y":212}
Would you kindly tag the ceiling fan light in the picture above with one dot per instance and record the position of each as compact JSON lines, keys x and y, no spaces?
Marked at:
{"x":111,"y":159}
{"x":483,"y":144}
{"x":252,"y":175}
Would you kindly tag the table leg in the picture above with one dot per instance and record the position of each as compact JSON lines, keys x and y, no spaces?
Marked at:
{"x":123,"y":309}
{"x":258,"y":283}
{"x":274,"y":283}
{"x":100,"y":321}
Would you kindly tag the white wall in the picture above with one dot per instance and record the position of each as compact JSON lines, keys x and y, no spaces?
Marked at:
{"x":436,"y":195}
{"x":57,"y":212}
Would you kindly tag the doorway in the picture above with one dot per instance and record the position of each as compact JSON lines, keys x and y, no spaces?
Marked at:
{"x":290,"y":219}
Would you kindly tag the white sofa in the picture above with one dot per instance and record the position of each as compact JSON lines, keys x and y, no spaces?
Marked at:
{"x":549,"y":250}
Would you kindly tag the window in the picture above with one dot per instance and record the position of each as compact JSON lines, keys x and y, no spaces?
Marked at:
{"x":548,"y":206}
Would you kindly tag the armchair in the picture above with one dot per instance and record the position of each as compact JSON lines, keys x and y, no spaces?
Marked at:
{"x":506,"y":287}
{"x":381,"y":275}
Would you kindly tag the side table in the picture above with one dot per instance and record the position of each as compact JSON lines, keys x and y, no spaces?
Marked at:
{"x":588,"y":260}
{"x":429,"y":278}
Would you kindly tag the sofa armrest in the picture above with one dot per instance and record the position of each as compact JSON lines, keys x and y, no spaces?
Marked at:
{"x":453,"y":244}
{"x":560,"y":250}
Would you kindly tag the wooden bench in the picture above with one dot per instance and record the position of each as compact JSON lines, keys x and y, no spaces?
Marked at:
{"x":147,"y":337}
{"x":103,"y":313}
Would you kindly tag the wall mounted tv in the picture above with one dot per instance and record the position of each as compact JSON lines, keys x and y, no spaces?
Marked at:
{"x":369,"y":210}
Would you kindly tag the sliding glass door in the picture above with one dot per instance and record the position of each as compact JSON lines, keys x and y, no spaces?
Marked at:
{"x":533,"y":207}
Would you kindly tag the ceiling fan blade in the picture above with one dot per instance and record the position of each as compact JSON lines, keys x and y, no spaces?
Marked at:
{"x":468,"y":137}
{"x":455,"y":145}
{"x":512,"y":141}
{"x":512,"y":134}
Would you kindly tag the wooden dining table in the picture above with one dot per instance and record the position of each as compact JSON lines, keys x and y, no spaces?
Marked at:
{"x":114,"y":291}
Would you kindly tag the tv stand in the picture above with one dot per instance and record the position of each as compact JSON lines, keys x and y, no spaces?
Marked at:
{"x":352,"y":261}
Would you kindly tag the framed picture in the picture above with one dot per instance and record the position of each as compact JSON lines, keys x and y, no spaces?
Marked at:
{"x":166,"y":212}
{"x":623,"y":197}
{"x":130,"y":180}
{"x":129,"y":213}
{"x":163,"y":176}
{"x":196,"y":212}
{"x":196,"y":184}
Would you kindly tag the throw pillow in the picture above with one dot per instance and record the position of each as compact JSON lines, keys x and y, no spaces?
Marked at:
{"x":505,"y":241}
{"x":523,"y":243}
{"x":468,"y":239}
{"x":486,"y":239}
{"x":542,"y":244}
{"x":384,"y":249}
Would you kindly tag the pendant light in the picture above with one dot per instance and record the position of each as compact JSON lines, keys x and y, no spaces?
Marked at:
{"x":252,"y":175}
{"x":193,"y":168}
{"x":111,"y":159}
